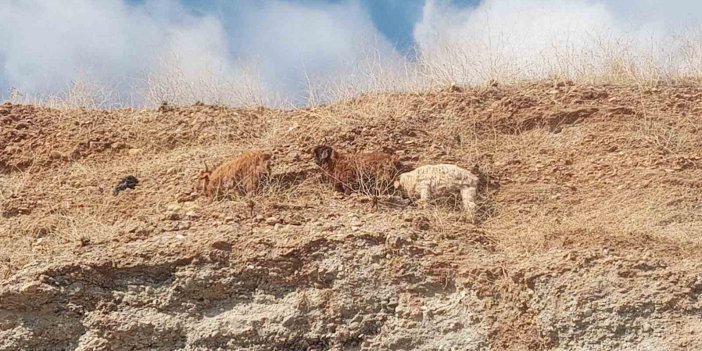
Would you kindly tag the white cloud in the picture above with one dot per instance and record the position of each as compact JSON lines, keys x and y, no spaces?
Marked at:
{"x":267,"y":51}
{"x":327,"y":43}
{"x":49,"y":44}
{"x":664,"y":14}
{"x":517,"y":39}
{"x":158,"y":50}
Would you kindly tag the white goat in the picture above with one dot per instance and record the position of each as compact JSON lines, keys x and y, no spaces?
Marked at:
{"x":436,"y":181}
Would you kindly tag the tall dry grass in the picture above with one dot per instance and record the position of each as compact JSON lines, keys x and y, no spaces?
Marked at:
{"x":598,"y":58}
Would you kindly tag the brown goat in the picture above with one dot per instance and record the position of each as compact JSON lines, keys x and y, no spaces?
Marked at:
{"x":242,"y":174}
{"x":370,"y":172}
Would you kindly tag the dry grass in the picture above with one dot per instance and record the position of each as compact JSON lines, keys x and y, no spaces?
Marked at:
{"x":607,"y":178}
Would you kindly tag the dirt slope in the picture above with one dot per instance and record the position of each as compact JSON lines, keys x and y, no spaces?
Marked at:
{"x":589,"y":234}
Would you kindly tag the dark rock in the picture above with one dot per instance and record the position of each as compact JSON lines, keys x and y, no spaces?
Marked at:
{"x":128,"y":182}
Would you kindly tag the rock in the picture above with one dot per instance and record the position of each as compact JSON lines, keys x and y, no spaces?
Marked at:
{"x":173,"y":212}
{"x":182,"y":225}
{"x":145,"y":230}
{"x":273,"y":220}
{"x":221,"y":245}
{"x":174,"y":207}
{"x":132,"y":228}
{"x":177,"y":211}
{"x":134,"y":152}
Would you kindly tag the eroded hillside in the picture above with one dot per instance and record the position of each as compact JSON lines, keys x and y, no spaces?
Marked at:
{"x":589,"y":232}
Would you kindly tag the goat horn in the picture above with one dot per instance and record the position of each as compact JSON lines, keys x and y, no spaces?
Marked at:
{"x":207,"y":168}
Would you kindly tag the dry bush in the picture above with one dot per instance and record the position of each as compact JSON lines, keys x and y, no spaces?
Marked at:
{"x":171,"y":82}
{"x":671,"y":136}
{"x":78,"y":94}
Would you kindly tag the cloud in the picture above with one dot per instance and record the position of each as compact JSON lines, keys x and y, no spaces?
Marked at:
{"x":49,"y":44}
{"x":515,"y":39}
{"x":278,"y":52}
{"x":294,"y":44}
{"x":663,"y":14}
{"x":158,"y":49}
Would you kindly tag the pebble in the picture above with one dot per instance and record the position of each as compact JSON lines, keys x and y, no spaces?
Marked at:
{"x":172,"y":215}
{"x":56,"y":155}
{"x":174,"y":207}
{"x":221,"y":245}
{"x":273,"y":220}
{"x":134,"y":152}
{"x":183,"y":226}
{"x":145,"y":229}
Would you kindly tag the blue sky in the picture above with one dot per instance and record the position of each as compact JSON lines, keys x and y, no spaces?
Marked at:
{"x":395,"y":19}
